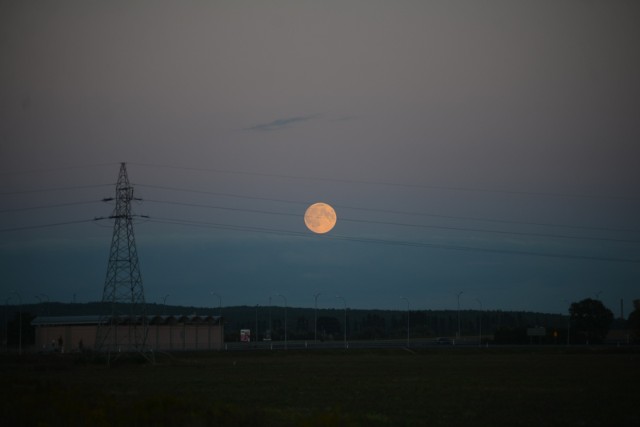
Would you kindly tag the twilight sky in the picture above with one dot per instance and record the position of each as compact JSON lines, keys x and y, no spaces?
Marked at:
{"x":484,"y":147}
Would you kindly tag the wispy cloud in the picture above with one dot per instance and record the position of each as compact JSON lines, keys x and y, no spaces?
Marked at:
{"x":280,"y":123}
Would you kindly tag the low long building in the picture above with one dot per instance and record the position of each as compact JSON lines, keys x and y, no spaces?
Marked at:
{"x":164,"y":333}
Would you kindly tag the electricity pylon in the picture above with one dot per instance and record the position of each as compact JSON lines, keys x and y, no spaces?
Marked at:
{"x":125,"y":328}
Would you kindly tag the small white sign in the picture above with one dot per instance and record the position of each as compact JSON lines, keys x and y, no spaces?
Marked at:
{"x":536,"y":332}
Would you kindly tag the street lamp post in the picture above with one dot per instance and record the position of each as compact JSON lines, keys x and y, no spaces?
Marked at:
{"x":39,"y":299}
{"x":480,"y":328}
{"x":164,"y":303}
{"x":19,"y":322}
{"x":458,"y":294}
{"x":408,"y":316}
{"x":315,"y":318}
{"x":219,"y":303}
{"x":6,"y":325}
{"x":257,"y":305}
{"x":46,"y":306}
{"x":345,"y":319}
{"x":568,"y":324}
{"x":270,"y":322}
{"x":285,"y":320}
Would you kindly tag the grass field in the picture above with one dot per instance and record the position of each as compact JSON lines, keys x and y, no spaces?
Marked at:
{"x":511,"y":386}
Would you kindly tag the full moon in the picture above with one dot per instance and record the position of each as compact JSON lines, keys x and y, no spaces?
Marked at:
{"x":320,"y":218}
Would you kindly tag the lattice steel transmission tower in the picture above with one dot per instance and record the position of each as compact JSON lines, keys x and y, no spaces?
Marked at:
{"x":125,"y":328}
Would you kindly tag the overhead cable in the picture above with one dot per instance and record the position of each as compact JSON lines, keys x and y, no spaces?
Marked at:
{"x":398,"y":184}
{"x":45,"y":190}
{"x":395,"y":212}
{"x":401,"y":224}
{"x":389,"y":242}
{"x":58,"y":205}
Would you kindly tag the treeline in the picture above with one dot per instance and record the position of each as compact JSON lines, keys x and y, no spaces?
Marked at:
{"x":268,"y":322}
{"x":328,"y":324}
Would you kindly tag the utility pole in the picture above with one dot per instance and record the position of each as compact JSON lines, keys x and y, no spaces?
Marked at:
{"x":345,"y":319}
{"x":270,"y":334}
{"x":315,"y":318}
{"x":19,"y":321}
{"x":256,"y":338}
{"x":125,"y":328}
{"x":164,"y":303}
{"x":568,"y":325}
{"x":459,"y":293}
{"x":285,"y":319}
{"x":480,"y":329}
{"x":408,"y":315}
{"x":219,"y":303}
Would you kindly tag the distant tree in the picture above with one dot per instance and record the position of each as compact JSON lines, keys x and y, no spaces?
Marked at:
{"x":19,"y":327}
{"x":634,"y":320}
{"x":591,"y":319}
{"x":302,"y":330}
{"x":329,"y":326}
{"x":373,"y":327}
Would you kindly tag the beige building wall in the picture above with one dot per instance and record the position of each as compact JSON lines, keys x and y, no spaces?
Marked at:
{"x":160,"y":337}
{"x":65,"y":338}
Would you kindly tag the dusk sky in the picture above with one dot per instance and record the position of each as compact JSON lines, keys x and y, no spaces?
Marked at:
{"x":488,"y":147}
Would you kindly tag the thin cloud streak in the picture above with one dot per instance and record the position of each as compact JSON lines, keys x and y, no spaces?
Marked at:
{"x":280,"y":123}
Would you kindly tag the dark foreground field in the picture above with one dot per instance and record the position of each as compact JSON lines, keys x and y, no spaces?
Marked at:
{"x":342,"y":388}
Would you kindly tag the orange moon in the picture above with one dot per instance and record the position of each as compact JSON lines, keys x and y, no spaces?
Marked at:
{"x":320,"y":218}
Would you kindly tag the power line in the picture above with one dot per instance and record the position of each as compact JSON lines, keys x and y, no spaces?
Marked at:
{"x":399,"y":224}
{"x":388,"y":242}
{"x":55,"y":224}
{"x":397,"y":184}
{"x":395,"y":212}
{"x":201,"y":224}
{"x":59,"y":205}
{"x":32,"y":171}
{"x":464,"y":229}
{"x":499,"y":221}
{"x":197,"y":205}
{"x":214,"y":193}
{"x":45,"y":190}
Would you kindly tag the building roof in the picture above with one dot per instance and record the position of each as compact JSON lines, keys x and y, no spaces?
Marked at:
{"x":66,"y":320}
{"x":97,"y":319}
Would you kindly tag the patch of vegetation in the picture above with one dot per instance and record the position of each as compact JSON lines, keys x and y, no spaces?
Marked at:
{"x":450,"y":386}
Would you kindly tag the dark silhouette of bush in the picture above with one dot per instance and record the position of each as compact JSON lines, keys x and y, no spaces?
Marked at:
{"x":634,"y":320}
{"x":591,"y":320}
